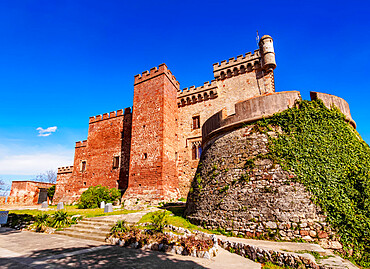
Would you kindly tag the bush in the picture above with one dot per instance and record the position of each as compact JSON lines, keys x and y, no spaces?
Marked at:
{"x":93,"y":196}
{"x":60,"y":219}
{"x":119,"y":227}
{"x":159,"y":220}
{"x":51,"y":192}
{"x":41,"y":222}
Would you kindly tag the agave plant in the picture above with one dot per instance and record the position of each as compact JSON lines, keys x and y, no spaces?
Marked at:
{"x":41,"y":222}
{"x":120,"y":227}
{"x":61,"y":219}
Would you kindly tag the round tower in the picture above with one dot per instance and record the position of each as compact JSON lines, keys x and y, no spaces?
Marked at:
{"x":267,"y":53}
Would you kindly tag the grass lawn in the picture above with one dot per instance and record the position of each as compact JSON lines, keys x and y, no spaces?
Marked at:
{"x":73,"y":210}
{"x":174,"y":217}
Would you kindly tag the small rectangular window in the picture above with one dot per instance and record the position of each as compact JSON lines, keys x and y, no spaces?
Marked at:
{"x":145,"y":156}
{"x":83,"y":166}
{"x":115,"y":162}
{"x":196,"y":122}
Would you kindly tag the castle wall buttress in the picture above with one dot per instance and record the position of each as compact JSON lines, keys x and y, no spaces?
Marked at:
{"x":153,"y":171}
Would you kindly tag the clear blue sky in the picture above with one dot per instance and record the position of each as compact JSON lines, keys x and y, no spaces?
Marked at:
{"x":63,"y":61}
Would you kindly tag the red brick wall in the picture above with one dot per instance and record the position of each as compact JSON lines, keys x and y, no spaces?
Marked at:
{"x":153,"y":172}
{"x":26,"y":192}
{"x":104,"y":142}
{"x":64,"y":186}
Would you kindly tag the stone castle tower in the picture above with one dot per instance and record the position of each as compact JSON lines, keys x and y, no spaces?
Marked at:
{"x":153,"y":152}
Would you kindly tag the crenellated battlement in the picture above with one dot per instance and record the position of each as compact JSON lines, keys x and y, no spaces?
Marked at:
{"x":65,"y":169}
{"x":240,"y":64}
{"x":194,"y":94}
{"x":110,"y":115}
{"x":154,"y":72}
{"x":80,"y":144}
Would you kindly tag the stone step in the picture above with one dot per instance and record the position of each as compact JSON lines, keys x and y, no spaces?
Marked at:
{"x":92,"y":226}
{"x":93,"y":237}
{"x":98,"y":221}
{"x":87,"y":231}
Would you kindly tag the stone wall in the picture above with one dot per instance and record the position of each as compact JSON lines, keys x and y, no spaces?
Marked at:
{"x":26,"y":192}
{"x":237,"y":188}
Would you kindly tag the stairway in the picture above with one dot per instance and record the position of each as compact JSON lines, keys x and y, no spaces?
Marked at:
{"x":92,"y":229}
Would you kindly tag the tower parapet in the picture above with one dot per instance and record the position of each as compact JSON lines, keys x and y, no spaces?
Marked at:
{"x":194,"y":94}
{"x":80,"y":144}
{"x":109,"y":115}
{"x":65,"y":169}
{"x":332,"y":100}
{"x":234,"y":66}
{"x":267,"y":53}
{"x":162,"y":69}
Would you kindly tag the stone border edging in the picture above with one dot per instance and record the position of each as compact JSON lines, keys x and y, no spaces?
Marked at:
{"x":212,"y":252}
{"x":261,"y":255}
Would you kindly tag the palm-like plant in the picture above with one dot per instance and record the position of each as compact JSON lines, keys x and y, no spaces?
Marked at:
{"x":60,"y":219}
{"x":41,"y":222}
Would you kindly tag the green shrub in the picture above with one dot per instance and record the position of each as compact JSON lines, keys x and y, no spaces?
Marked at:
{"x":60,"y":219}
{"x":42,"y":221}
{"x":93,"y":196}
{"x":159,"y":220}
{"x":329,"y":157}
{"x":120,"y":227}
{"x":51,"y":192}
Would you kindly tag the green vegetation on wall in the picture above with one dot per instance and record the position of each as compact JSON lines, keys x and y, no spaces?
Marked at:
{"x":329,"y":157}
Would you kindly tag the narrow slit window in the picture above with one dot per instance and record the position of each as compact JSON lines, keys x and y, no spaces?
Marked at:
{"x":196,"y":122}
{"x":145,"y":156}
{"x":83,"y":166}
{"x":115,"y":162}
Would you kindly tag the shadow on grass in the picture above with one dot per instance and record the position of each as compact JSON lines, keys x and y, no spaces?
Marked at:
{"x":177,"y":209}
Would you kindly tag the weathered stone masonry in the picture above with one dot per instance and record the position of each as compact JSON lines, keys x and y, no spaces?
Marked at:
{"x":238,"y":188}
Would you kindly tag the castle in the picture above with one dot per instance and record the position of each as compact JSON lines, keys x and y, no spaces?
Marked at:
{"x":152,"y":152}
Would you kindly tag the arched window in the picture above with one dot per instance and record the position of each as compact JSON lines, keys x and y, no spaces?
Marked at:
{"x":205,"y":96}
{"x":196,"y":150}
{"x":249,"y":67}
{"x":182,"y":102}
{"x":242,"y":69}
{"x":236,"y":71}
{"x":188,"y":101}
{"x":212,"y":95}
{"x":200,"y":98}
{"x":228,"y":73}
{"x":194,"y":99}
{"x":223,"y":76}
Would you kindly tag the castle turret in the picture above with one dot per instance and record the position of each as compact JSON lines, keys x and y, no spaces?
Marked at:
{"x":267,"y":53}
